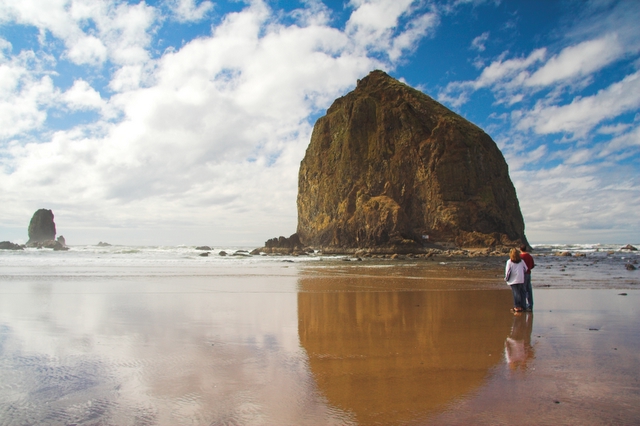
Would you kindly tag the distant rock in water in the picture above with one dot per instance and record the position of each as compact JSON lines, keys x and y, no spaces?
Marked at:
{"x":8,"y":245}
{"x":103,"y":244}
{"x":42,"y":227}
{"x":388,"y":166}
{"x":282,"y":245}
{"x":629,"y":247}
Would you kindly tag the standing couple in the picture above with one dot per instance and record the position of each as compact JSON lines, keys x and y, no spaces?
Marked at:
{"x":518,"y":275}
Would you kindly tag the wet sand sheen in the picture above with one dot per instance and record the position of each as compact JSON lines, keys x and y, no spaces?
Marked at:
{"x":389,"y":357}
{"x":312,"y":345}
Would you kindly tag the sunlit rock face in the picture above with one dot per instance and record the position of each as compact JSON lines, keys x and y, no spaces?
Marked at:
{"x":42,"y":227}
{"x":398,"y":357}
{"x":387,"y":166}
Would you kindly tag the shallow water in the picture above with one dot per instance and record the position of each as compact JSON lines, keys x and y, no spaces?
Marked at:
{"x":139,"y":342}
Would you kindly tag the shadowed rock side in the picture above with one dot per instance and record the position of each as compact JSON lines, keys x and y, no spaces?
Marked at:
{"x":397,"y":357}
{"x":388,"y":165}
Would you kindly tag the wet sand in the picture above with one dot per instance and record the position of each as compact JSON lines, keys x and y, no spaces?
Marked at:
{"x":331,"y":343}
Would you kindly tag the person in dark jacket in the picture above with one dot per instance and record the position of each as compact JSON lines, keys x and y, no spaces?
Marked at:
{"x":528,"y":291}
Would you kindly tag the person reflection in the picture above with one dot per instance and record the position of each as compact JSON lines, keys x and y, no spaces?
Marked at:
{"x":517,"y":347}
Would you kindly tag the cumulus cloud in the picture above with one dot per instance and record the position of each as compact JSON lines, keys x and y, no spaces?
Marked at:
{"x":91,"y":31}
{"x":25,"y":94}
{"x":374,"y":25}
{"x":81,"y":96}
{"x":188,"y":11}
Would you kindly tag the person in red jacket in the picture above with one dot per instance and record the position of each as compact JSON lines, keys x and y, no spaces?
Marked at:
{"x":528,"y":260}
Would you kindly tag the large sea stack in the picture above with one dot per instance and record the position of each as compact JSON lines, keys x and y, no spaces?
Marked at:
{"x":389,"y":167}
{"x":41,"y":227}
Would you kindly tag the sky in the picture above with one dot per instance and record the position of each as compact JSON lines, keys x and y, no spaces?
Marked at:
{"x":185,"y":121}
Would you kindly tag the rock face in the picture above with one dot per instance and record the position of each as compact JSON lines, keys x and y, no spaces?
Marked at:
{"x":42,"y":227}
{"x":388,"y":166}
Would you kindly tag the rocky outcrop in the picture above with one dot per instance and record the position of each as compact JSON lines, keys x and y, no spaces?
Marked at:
{"x":388,"y":166}
{"x":41,"y":227}
{"x":8,"y":245}
{"x":283,"y":245}
{"x":629,"y":247}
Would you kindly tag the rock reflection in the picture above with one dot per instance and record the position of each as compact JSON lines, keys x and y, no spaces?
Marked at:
{"x":517,"y":347}
{"x":394,"y":357}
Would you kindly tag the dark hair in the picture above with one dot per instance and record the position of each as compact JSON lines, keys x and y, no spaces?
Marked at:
{"x":523,"y":248}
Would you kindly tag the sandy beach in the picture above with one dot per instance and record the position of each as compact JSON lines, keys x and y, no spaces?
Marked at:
{"x":330,"y":342}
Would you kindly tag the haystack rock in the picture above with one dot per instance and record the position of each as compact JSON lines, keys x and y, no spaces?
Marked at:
{"x":389,"y":167}
{"x":42,"y":227}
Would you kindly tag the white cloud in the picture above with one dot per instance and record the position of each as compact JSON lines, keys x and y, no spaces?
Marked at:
{"x":582,"y":114}
{"x":374,"y":25}
{"x":120,"y":35}
{"x":583,"y":203}
{"x":81,"y":96}
{"x":187,"y":11}
{"x":478,"y":43}
{"x":25,"y":93}
{"x":87,"y":50}
{"x":626,"y":144}
{"x":577,"y":61}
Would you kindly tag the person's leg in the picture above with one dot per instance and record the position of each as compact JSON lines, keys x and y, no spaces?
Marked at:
{"x":528,"y":292}
{"x":518,"y":302}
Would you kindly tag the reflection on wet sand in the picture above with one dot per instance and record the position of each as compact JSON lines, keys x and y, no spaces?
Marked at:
{"x":393,"y":357}
{"x":517,"y":347}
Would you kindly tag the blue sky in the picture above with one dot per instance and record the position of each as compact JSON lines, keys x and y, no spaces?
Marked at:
{"x":185,"y":121}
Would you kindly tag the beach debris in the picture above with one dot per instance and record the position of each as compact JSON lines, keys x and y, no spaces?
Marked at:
{"x":629,"y":267}
{"x":594,"y":329}
{"x":629,"y":247}
{"x":207,"y":248}
{"x":581,"y":255}
{"x":564,"y":253}
{"x":622,"y":294}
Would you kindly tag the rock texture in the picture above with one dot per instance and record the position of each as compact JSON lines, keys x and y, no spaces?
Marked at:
{"x":42,"y":227}
{"x":388,"y":166}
